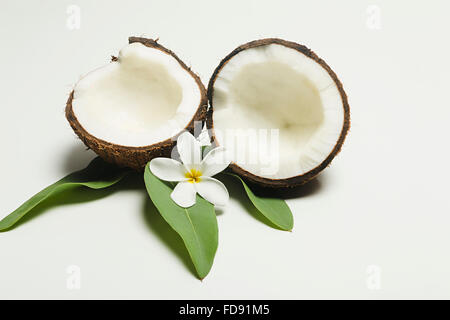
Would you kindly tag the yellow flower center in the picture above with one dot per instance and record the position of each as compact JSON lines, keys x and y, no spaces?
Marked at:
{"x":193,"y":176}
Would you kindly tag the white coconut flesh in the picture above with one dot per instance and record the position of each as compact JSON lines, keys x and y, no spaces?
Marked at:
{"x":142,"y":98}
{"x":274,"y":87}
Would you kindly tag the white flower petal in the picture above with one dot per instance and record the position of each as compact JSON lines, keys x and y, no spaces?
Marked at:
{"x":212,"y":190}
{"x":214,"y":162}
{"x":168,"y":169}
{"x":184,"y":194}
{"x":189,"y":149}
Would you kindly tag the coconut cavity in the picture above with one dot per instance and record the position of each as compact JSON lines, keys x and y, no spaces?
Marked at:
{"x":279,"y":110}
{"x":140,"y":99}
{"x":130,"y":110}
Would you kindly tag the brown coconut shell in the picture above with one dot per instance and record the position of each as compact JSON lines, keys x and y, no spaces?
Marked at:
{"x":294,"y":181}
{"x":137,"y":157}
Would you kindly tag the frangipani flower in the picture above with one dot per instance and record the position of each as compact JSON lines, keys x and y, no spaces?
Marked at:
{"x":193,"y":173}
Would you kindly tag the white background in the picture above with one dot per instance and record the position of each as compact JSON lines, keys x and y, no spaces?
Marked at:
{"x":383,"y":201}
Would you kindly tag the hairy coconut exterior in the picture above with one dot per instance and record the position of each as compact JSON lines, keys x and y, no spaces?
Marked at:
{"x":296,"y":180}
{"x":137,"y":157}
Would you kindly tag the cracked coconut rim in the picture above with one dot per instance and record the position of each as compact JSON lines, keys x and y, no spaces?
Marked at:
{"x":273,"y":84}
{"x":130,"y":110}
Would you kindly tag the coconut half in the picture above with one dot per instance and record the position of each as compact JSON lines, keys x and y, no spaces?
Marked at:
{"x":281,"y":111}
{"x":132,"y":109}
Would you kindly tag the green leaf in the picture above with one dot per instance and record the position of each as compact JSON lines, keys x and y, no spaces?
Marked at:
{"x":275,"y":210}
{"x":97,"y":175}
{"x":196,"y":225}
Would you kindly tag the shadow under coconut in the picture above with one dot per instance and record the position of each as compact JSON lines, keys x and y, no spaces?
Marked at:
{"x":305,"y":190}
{"x":77,"y":157}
